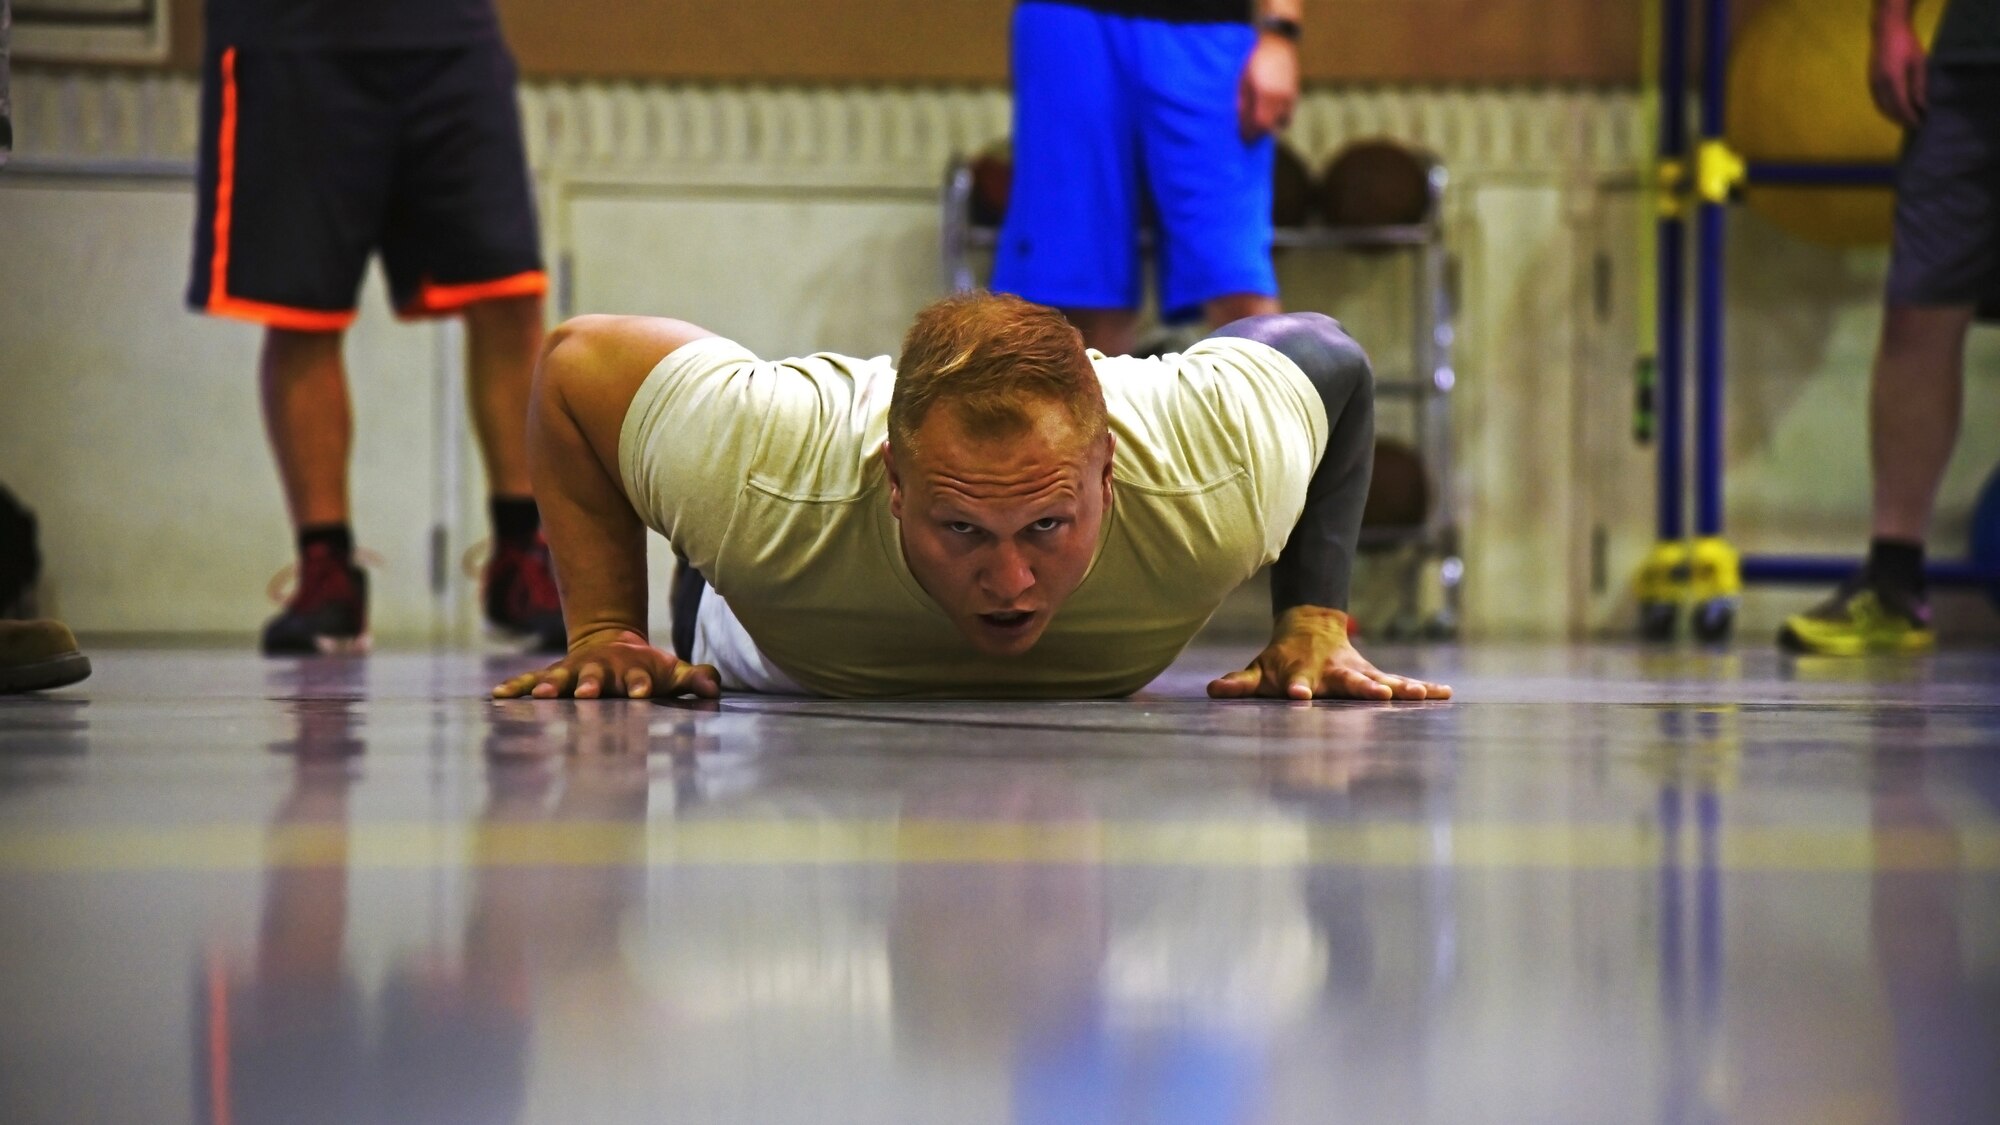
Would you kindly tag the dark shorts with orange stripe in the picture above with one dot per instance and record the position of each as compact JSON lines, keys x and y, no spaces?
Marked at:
{"x":312,"y":160}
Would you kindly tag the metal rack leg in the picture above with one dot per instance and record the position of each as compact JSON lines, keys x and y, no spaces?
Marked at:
{"x":1715,"y":581}
{"x":1662,"y":582}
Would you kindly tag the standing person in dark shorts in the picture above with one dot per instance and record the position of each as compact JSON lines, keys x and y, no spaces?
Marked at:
{"x":332,"y":130}
{"x":1136,"y":112}
{"x":1944,"y":272}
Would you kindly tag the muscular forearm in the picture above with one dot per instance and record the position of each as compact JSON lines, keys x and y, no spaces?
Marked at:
{"x":598,"y":542}
{"x":1316,"y":567}
{"x":588,"y":376}
{"x":600,"y":559}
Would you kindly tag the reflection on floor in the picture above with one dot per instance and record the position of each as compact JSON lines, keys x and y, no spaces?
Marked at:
{"x":1604,"y":885}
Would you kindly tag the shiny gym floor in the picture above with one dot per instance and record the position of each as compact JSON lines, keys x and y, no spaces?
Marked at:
{"x":1605,"y":884}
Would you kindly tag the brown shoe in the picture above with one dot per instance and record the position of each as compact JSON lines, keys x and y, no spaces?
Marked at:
{"x":39,"y":655}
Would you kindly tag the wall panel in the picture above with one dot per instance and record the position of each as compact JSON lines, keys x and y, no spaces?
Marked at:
{"x":927,"y":41}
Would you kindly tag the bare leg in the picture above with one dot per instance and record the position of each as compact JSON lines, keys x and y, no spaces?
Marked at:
{"x":1111,"y":331}
{"x":310,"y":422}
{"x":503,"y":342}
{"x":1914,"y":405}
{"x":1230,"y":307}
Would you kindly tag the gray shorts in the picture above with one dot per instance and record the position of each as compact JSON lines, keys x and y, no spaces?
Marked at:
{"x":1947,"y":242}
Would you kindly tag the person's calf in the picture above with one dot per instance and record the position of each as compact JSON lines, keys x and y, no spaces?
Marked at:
{"x":1916,"y":399}
{"x":503,"y":341}
{"x":309,"y":420}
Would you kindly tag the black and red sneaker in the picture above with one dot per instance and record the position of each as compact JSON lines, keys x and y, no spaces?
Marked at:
{"x":519,"y":592}
{"x":327,"y":612}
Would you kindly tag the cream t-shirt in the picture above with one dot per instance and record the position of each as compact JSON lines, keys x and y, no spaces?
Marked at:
{"x":768,"y":476}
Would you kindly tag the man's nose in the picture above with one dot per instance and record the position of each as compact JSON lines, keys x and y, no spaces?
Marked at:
{"x":1007,"y":574}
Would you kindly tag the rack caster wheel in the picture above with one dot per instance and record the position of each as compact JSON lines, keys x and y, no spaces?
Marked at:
{"x":1657,"y":620}
{"x":1713,"y":620}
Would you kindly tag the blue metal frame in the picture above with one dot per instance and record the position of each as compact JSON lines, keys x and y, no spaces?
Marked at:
{"x":1786,"y":174}
{"x":1711,"y":227}
{"x":1670,"y":385}
{"x":1819,"y":570}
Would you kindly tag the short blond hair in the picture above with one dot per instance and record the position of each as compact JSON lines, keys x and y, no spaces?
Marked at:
{"x":991,"y":356}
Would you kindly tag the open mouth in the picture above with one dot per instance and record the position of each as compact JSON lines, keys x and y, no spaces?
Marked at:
{"x":1008,"y":621}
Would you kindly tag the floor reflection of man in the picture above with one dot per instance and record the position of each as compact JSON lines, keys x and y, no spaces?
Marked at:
{"x":283,"y":1035}
{"x":983,"y":955}
{"x":1007,"y":962}
{"x":282,"y":1038}
{"x":558,"y":855}
{"x":1944,"y":1006}
{"x":556,"y":852}
{"x":1390,"y":936}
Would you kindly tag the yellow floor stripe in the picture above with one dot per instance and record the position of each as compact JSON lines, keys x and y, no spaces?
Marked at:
{"x":424,"y":845}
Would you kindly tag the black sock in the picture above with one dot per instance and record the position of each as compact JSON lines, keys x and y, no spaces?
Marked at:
{"x":336,"y":536}
{"x":515,"y":518}
{"x":1896,"y":566}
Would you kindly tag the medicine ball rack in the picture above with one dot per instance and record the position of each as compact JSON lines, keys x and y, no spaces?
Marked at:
{"x":1428,"y":384}
{"x":1703,"y":572}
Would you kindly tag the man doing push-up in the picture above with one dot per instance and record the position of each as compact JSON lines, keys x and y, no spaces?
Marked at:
{"x":1005,"y":515}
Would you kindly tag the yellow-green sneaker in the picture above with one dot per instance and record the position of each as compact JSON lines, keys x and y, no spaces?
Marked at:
{"x":1859,"y":620}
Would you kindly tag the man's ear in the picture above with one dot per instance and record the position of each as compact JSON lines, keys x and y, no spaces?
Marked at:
{"x":895,"y":480}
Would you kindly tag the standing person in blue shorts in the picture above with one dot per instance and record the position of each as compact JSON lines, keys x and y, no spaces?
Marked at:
{"x":1146,"y":112}
{"x":1944,"y":272}
{"x":331,"y":130}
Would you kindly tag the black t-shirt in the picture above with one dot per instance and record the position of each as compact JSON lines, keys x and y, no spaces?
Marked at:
{"x":1174,"y":11}
{"x":350,"y":24}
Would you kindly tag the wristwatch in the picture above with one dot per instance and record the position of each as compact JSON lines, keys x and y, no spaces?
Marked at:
{"x":1281,"y":27}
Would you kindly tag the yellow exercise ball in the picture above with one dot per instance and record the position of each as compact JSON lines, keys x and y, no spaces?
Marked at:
{"x":1798,"y":91}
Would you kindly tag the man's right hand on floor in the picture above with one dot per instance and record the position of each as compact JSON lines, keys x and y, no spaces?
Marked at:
{"x":612,"y":664}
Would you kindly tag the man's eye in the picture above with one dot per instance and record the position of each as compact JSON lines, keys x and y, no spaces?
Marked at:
{"x":1046,"y":523}
{"x":960,"y":527}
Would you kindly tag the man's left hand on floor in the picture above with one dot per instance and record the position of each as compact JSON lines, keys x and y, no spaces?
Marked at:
{"x":1310,"y":657}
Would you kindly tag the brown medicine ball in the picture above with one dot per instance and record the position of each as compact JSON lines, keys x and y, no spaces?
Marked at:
{"x":1291,"y":187}
{"x":1399,"y":494}
{"x":992,"y":183}
{"x":1376,"y":183}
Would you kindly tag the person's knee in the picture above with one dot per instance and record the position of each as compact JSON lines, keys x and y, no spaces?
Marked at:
{"x":1921,"y":328}
{"x":293,"y":356}
{"x":513,"y":315}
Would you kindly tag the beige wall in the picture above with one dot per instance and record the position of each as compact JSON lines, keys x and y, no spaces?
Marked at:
{"x":806,"y":217}
{"x":965,"y":41}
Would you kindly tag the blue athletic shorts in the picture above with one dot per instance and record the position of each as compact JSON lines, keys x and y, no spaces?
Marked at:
{"x":1123,"y":122}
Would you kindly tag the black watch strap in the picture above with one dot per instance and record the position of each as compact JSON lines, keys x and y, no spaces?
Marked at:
{"x":1281,"y":27}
